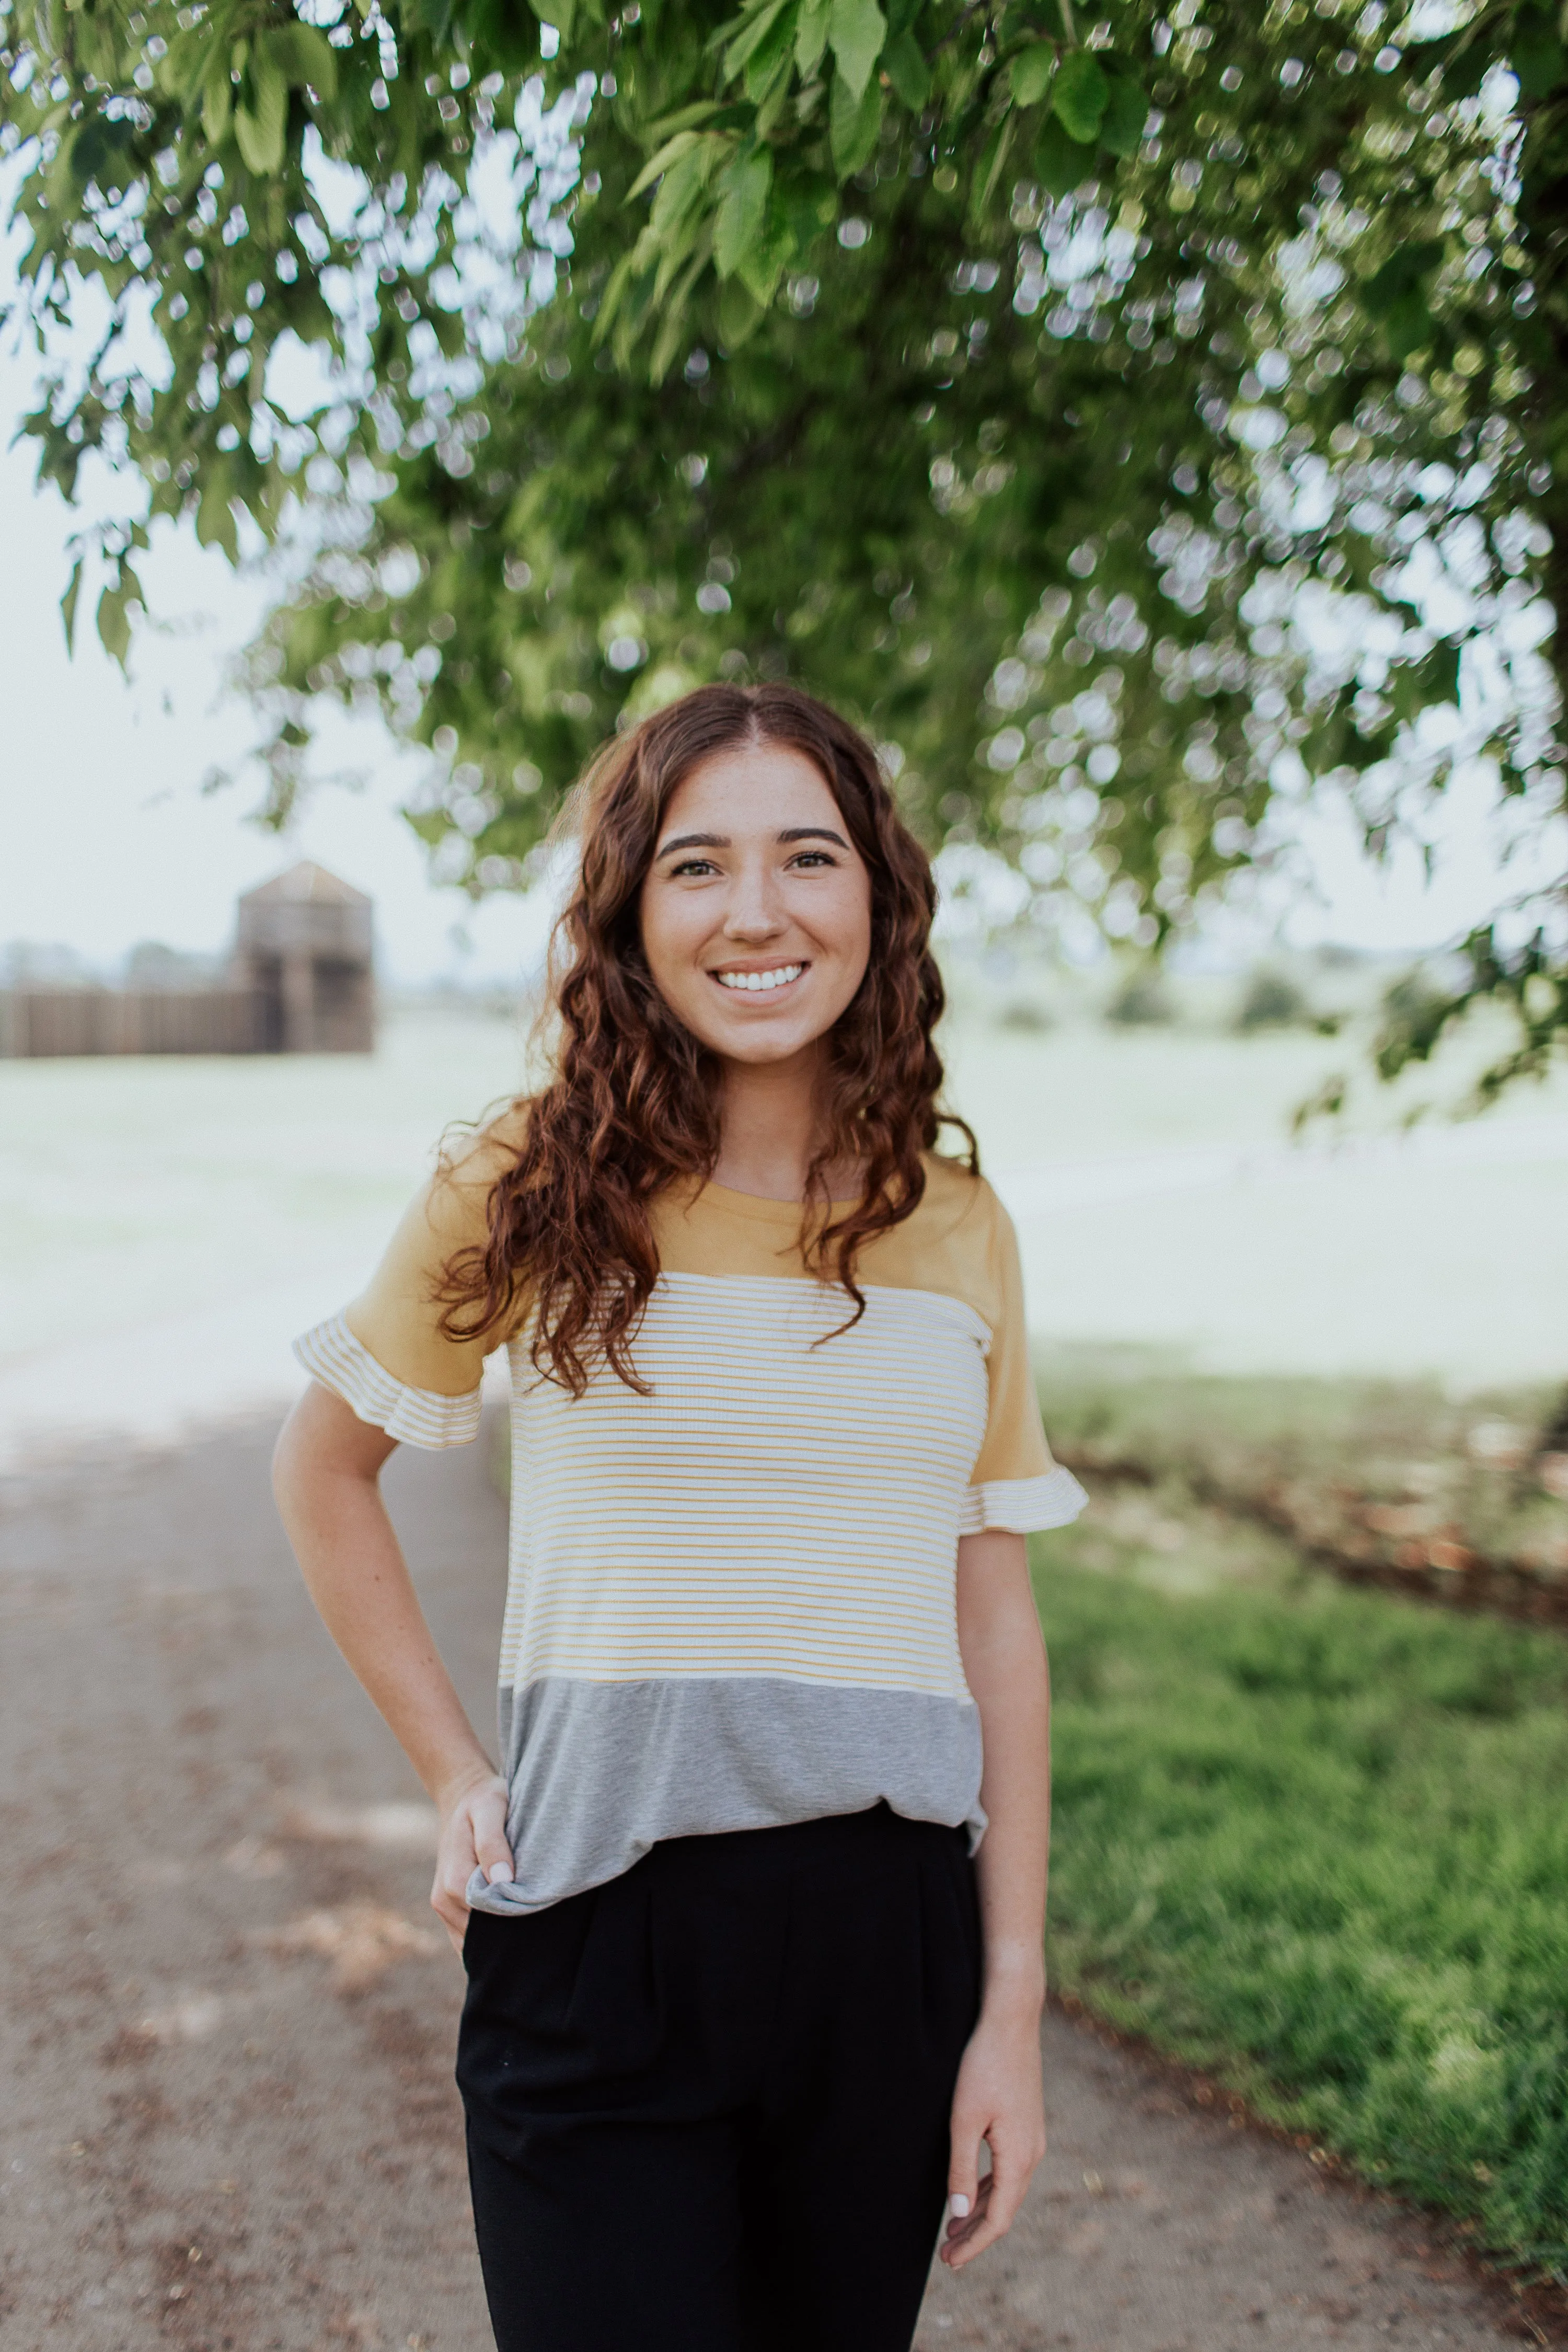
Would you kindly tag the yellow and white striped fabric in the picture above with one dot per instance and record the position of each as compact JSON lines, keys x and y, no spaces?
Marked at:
{"x":331,"y":1355}
{"x":732,"y":1600}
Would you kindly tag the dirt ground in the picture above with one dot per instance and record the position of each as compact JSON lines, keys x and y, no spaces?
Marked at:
{"x":227,"y":2114}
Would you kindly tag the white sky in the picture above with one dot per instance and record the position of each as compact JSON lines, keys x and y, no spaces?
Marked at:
{"x":108,"y":838}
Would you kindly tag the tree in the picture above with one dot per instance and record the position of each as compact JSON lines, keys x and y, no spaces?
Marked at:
{"x":1100,"y":408}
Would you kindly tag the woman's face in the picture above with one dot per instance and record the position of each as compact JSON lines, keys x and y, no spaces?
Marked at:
{"x":756,"y":909}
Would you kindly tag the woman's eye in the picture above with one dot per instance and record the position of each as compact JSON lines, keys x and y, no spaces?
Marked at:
{"x":814,"y":857}
{"x":693,"y":865}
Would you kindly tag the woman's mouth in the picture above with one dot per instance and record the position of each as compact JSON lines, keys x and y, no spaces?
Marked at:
{"x":761,"y":983}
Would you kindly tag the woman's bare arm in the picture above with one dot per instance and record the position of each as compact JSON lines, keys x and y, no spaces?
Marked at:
{"x":326,"y":1476}
{"x":998,"y":2096}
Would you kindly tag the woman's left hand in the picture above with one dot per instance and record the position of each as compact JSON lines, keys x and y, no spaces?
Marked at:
{"x":999,"y":2099}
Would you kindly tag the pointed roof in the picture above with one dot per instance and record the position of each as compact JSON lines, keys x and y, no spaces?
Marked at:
{"x":305,"y":882}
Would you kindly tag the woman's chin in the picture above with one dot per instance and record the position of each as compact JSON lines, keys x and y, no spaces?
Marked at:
{"x":759,"y":1042}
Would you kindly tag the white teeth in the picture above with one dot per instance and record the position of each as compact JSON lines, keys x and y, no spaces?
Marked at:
{"x":755,"y":982}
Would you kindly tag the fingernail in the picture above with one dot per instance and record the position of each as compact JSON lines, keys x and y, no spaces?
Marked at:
{"x":500,"y":1874}
{"x":959,"y":2207}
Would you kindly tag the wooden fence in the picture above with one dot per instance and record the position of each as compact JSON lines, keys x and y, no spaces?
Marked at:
{"x":35,"y":1022}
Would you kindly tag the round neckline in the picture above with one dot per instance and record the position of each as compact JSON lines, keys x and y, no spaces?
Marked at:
{"x":759,"y":1205}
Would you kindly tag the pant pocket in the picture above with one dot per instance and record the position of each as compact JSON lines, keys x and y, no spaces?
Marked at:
{"x":615,"y":2011}
{"x":515,"y":2043}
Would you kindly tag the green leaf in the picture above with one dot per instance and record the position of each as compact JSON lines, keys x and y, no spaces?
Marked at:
{"x":1054,"y":19}
{"x":1467,"y":69}
{"x":98,"y":146}
{"x":304,"y":57}
{"x":654,"y":135}
{"x":1407,"y":326}
{"x":178,"y":73}
{"x":1062,"y":164}
{"x":1079,"y":96}
{"x":1030,"y":72}
{"x":1461,"y":60}
{"x":811,"y":34}
{"x":1536,"y":53}
{"x":764,"y":265}
{"x":673,"y":331}
{"x":857,"y":30}
{"x":614,"y":294}
{"x":69,"y":604}
{"x":671,"y":335}
{"x":742,"y":208}
{"x":754,"y":31}
{"x":768,"y":57}
{"x":258,"y":127}
{"x":1436,"y":677}
{"x":1424,"y":58}
{"x":903,"y":62}
{"x":680,"y":192}
{"x":558,"y":13}
{"x":739,"y":314}
{"x":214,"y":517}
{"x":658,"y":166}
{"x":217,"y":99}
{"x":1126,"y":113}
{"x":988,"y":172}
{"x":114,"y":624}
{"x":449,"y":331}
{"x":853,"y":124}
{"x":1402,"y":274}
{"x":806,"y":205}
{"x":769,"y":91}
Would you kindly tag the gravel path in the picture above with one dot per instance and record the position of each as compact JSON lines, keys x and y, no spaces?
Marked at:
{"x":228,"y":2120}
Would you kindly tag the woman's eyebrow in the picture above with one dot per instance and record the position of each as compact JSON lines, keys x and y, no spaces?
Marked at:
{"x":721,"y":840}
{"x":693,"y":841}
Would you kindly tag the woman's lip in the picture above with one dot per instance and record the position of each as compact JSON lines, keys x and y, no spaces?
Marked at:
{"x":749,"y":995}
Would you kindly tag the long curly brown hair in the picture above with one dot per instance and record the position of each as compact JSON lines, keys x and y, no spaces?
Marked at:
{"x":633,"y":1107}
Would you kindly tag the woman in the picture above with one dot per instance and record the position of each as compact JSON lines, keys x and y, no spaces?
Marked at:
{"x":741,"y":2008}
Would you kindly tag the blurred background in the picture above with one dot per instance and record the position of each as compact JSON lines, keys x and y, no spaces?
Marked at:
{"x":1138,"y":1119}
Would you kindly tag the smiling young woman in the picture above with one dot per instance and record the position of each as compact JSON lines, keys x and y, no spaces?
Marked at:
{"x":752,"y":1915}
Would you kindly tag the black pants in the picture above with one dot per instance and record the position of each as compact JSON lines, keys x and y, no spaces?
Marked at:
{"x":708,"y":2103}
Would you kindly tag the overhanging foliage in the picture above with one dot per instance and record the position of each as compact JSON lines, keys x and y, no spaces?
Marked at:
{"x":1101,"y":407}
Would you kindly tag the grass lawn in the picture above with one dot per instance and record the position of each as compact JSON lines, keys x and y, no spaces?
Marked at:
{"x":1381,"y":1473}
{"x":1316,"y":1840}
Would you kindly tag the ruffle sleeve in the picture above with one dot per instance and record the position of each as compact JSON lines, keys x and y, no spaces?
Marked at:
{"x":331,"y":1355}
{"x":1015,"y":1483}
{"x":1023,"y":1505}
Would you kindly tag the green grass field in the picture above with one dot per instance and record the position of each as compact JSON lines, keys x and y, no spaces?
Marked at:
{"x":1316,"y":1840}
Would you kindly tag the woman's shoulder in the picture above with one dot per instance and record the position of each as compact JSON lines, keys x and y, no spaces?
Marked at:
{"x":958,"y":1198}
{"x":450,"y":1212}
{"x":950,"y":1242}
{"x":473,"y":1158}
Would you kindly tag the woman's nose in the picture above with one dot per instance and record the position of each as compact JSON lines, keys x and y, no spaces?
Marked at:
{"x":754,"y":913}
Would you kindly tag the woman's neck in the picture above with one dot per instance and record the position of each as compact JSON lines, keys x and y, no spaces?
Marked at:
{"x":768,"y":1126}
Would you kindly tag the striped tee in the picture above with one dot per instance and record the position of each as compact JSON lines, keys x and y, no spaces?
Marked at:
{"x":730,"y":1602}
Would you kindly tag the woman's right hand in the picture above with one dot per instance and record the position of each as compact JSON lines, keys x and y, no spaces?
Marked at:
{"x":472,"y":1836}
